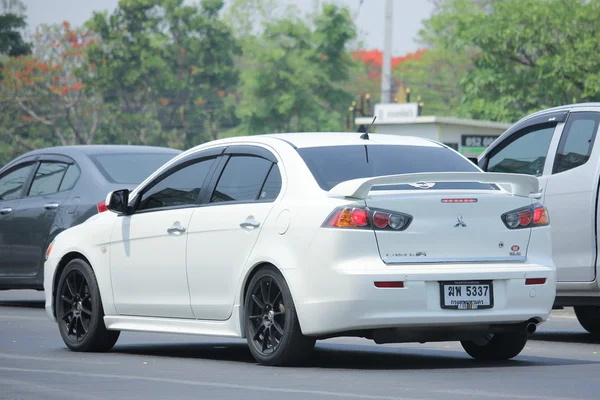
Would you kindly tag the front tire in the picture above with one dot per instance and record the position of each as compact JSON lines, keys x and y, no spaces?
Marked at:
{"x":271,"y":323}
{"x":497,"y":346}
{"x":79,"y":310}
{"x":589,"y":318}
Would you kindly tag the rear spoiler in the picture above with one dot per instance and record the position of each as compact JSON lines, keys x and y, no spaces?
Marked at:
{"x":522,"y":185}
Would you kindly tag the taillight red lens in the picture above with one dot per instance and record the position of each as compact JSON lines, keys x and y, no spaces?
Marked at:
{"x":381,"y":220}
{"x":102,"y":207}
{"x":535,"y":281}
{"x":389,"y":284}
{"x":360,"y":217}
{"x":526,"y":217}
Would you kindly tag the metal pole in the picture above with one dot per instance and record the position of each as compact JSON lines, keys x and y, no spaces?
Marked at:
{"x":386,"y":73}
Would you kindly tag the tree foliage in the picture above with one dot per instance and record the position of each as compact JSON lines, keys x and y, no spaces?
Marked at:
{"x":295,"y":71}
{"x":527,"y":54}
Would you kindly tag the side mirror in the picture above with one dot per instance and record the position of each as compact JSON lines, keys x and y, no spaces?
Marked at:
{"x":117,"y":200}
{"x":473,"y":160}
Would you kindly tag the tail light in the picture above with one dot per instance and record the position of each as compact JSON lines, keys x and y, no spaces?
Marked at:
{"x":102,"y":206}
{"x":526,"y":217}
{"x":365,"y":218}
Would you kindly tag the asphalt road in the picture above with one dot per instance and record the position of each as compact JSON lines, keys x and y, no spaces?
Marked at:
{"x":560,"y":362}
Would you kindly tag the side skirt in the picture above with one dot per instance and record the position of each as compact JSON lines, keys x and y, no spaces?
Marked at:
{"x":228,"y":328}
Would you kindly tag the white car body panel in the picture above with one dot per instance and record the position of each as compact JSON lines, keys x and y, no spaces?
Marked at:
{"x":330,"y":272}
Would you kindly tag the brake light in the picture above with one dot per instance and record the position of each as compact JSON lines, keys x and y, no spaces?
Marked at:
{"x":358,"y":217}
{"x":526,"y":217}
{"x":102,"y":206}
{"x":459,"y":200}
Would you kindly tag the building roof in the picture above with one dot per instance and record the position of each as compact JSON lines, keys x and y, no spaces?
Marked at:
{"x":431,"y":119}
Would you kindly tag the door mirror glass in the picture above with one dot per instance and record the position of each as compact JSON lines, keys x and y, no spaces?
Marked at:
{"x":117,"y":201}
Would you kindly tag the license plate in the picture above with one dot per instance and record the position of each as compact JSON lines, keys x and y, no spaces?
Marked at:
{"x":471,"y":295}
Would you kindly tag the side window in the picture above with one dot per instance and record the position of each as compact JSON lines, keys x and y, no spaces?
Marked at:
{"x":525,"y":155}
{"x":48,"y":178}
{"x":242,"y":179}
{"x":12,"y":183}
{"x":70,"y":178}
{"x":272,"y":186}
{"x":577,"y":141}
{"x":180,"y":188}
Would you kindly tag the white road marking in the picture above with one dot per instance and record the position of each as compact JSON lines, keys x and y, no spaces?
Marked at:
{"x":481,"y":393}
{"x":68,"y":360}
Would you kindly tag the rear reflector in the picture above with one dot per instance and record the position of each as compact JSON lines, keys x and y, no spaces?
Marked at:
{"x":393,"y":284}
{"x":459,"y":200}
{"x":535,"y":281}
{"x":102,"y":207}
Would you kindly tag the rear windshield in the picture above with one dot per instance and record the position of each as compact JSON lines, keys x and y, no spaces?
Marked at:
{"x":331,"y":165}
{"x":129,"y":168}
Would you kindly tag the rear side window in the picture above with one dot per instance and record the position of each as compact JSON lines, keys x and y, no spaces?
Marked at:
{"x":577,"y":141}
{"x":129,"y":168}
{"x":331,"y":165}
{"x":48,"y":178}
{"x":242,"y":179}
{"x":70,"y":178}
{"x":11,"y":184}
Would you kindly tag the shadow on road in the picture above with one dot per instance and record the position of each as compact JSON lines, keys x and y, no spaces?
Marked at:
{"x":22,"y":303}
{"x":343,"y":356}
{"x":566,"y":337}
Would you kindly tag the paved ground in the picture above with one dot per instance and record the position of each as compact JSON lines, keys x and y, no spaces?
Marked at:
{"x":560,"y":362}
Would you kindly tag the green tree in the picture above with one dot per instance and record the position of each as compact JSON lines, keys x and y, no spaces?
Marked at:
{"x":165,"y":69}
{"x":295,"y":72}
{"x":527,"y":54}
{"x":11,"y":41}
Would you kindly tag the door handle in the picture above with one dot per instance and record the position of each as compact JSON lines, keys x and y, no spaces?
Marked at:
{"x":175,"y":230}
{"x":5,"y":211}
{"x":250,"y":224}
{"x":50,"y":206}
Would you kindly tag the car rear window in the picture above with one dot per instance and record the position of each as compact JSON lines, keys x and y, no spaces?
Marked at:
{"x":129,"y":168}
{"x":331,"y":165}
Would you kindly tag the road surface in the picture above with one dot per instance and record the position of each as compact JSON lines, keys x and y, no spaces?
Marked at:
{"x":560,"y":362}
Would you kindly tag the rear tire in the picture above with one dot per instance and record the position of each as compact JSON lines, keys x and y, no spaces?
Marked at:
{"x":589,"y":318}
{"x":496,"y":347}
{"x":271,"y":323}
{"x":79,"y":310}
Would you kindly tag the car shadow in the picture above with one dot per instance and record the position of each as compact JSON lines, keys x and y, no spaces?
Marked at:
{"x":344,"y":356}
{"x":566,"y":337}
{"x":22,"y":303}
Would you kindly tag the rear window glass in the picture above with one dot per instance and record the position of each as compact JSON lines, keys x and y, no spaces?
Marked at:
{"x":331,"y":165}
{"x":129,"y":168}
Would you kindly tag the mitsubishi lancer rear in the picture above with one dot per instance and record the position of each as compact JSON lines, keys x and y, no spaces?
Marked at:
{"x":417,"y":244}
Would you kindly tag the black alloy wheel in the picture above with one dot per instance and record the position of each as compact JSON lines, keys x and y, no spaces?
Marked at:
{"x":77,"y":305}
{"x":271,"y":324}
{"x":79,"y":310}
{"x":267,"y":316}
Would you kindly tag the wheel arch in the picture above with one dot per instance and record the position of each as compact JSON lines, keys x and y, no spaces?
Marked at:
{"x":244,"y":288}
{"x":62,"y":264}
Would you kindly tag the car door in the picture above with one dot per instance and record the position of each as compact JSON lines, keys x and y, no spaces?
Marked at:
{"x":570,"y":197}
{"x":223,"y":231}
{"x":148,"y":248}
{"x":13,"y":182}
{"x":34,"y":220}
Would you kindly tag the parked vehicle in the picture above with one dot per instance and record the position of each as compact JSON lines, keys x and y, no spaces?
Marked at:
{"x":287,"y":239}
{"x":46,"y":191}
{"x":560,"y":146}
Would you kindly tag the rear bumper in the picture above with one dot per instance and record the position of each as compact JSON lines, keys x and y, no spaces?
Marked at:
{"x":343,"y":298}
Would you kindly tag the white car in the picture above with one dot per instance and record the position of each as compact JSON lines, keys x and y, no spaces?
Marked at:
{"x":286,"y":239}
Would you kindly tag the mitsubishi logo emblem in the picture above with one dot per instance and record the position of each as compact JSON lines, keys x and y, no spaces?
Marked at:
{"x":459,"y":221}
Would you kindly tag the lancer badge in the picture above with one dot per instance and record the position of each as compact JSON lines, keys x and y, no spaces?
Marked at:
{"x":459,"y":221}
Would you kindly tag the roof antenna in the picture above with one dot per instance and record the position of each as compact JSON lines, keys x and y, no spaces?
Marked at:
{"x":366,"y":134}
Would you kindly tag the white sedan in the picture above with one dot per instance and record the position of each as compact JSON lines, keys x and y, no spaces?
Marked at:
{"x":286,"y":239}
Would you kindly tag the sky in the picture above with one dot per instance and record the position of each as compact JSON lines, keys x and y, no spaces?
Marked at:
{"x":407,"y":18}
